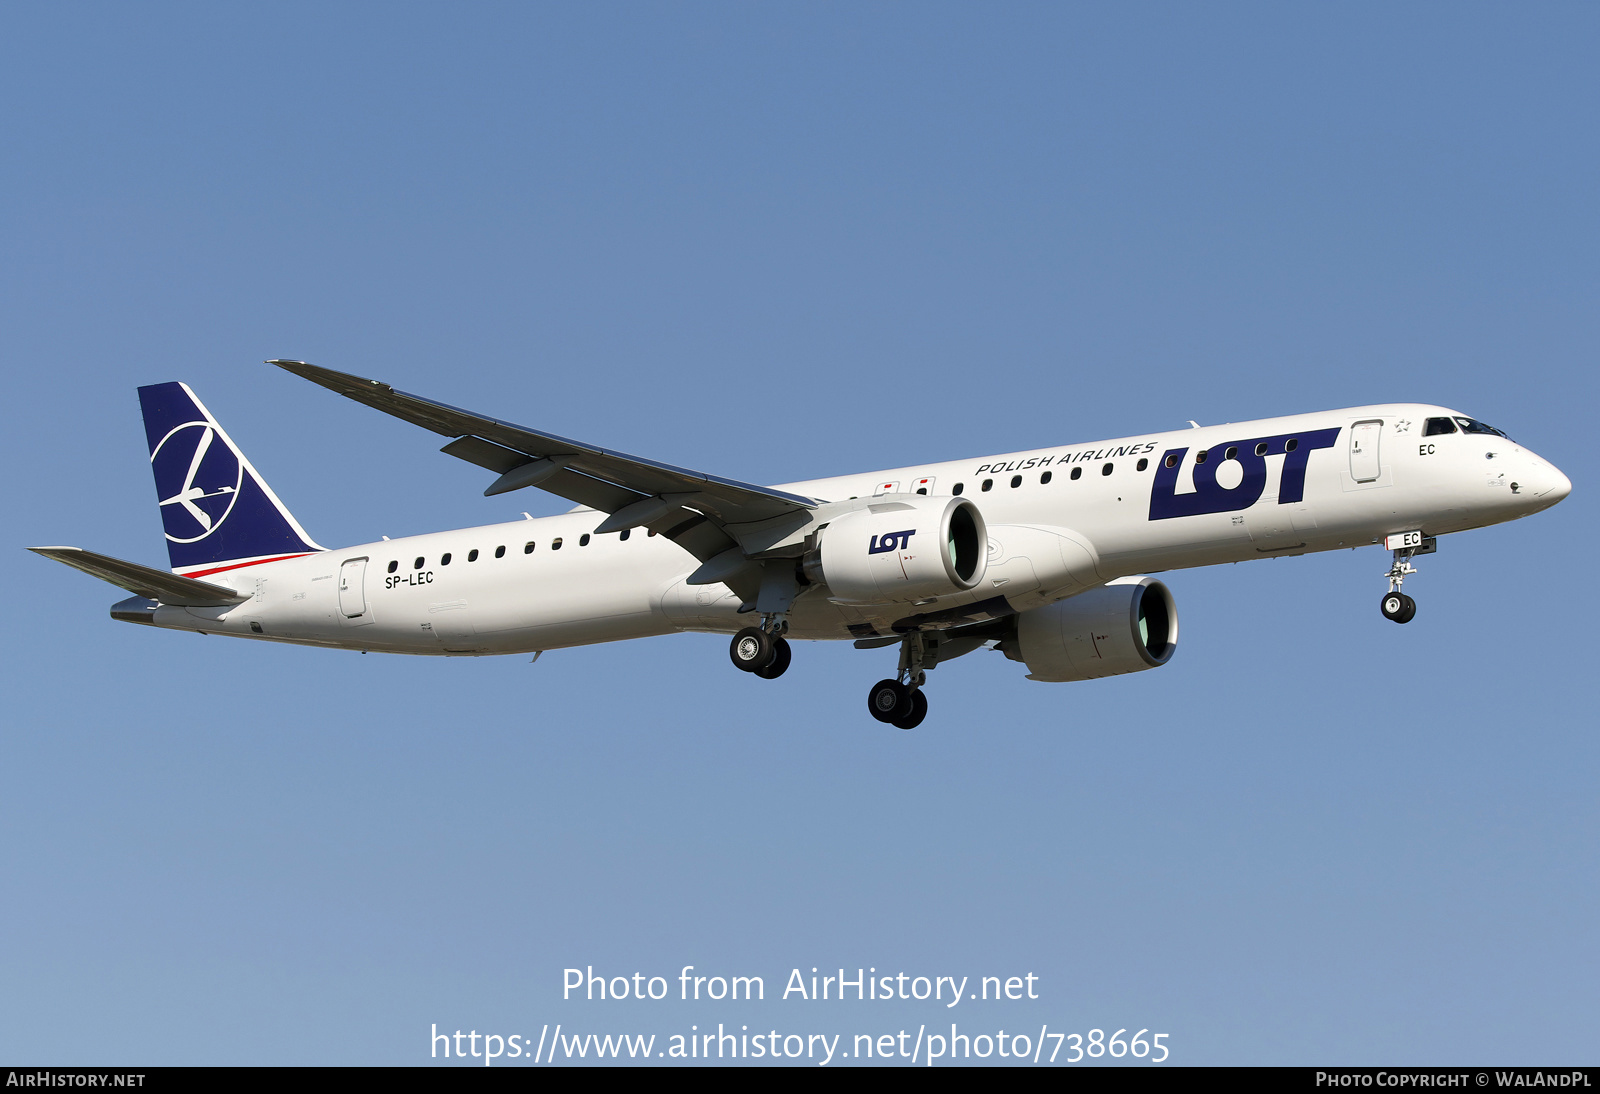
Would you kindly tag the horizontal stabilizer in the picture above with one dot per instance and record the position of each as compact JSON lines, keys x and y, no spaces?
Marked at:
{"x":143,"y":580}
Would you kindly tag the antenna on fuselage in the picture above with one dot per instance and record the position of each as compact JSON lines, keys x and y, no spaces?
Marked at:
{"x":1193,"y":424}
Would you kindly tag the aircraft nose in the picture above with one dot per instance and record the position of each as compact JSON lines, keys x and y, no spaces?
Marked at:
{"x":1560,"y":487}
{"x":1549,"y":484}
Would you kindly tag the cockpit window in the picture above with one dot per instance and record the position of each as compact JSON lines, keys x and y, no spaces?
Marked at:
{"x":1435,"y":426}
{"x":1469,"y":425}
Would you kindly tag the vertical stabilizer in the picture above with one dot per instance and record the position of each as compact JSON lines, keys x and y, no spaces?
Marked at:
{"x":217,"y":511}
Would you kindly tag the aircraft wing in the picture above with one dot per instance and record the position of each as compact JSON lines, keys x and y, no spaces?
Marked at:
{"x":169,"y":588}
{"x":666,"y":499}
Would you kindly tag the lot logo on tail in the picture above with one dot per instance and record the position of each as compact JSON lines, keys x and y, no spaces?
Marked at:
{"x":216,"y":511}
{"x":198,"y":479}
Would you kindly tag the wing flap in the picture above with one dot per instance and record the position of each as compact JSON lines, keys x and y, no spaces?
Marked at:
{"x":152,"y":584}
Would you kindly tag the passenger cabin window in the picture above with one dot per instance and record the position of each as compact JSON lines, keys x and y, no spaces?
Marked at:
{"x":1142,"y":465}
{"x":1200,"y":456}
{"x":555,"y":544}
{"x":1077,"y":473}
{"x":625,"y":532}
{"x":1231,"y":454}
{"x":1106,"y":470}
{"x":1172,"y":459}
{"x":583,"y":540}
{"x":1044,"y":478}
{"x":988,"y":484}
{"x":1433,"y":427}
{"x":1291,"y":444}
{"x":1261,"y":449}
{"x":394,"y":565}
{"x":417,"y":565}
{"x":444,"y":559}
{"x":527,"y":548}
{"x":956,"y":490}
{"x":500,"y":552}
{"x":472,"y":555}
{"x":1016,"y":481}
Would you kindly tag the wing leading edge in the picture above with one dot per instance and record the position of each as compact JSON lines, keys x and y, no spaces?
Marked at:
{"x":690,"y":507}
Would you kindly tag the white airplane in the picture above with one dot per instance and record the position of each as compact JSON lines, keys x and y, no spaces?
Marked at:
{"x":1042,"y":555}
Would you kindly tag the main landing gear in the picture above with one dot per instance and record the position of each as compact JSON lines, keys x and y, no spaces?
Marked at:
{"x":900,"y":701}
{"x":762,"y":650}
{"x":1396,"y":605}
{"x":901,"y":705}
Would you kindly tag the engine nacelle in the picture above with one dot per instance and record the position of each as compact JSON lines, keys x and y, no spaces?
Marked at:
{"x":1127,"y":625}
{"x":899,"y":549}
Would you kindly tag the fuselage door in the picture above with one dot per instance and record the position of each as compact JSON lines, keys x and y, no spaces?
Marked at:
{"x":352,"y":589}
{"x":1364,"y":438}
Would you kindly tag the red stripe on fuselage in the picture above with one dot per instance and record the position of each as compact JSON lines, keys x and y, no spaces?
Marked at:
{"x":242,"y":565}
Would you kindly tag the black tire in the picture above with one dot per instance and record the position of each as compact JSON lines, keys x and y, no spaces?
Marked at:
{"x":779,"y":663}
{"x":889,"y":700}
{"x":1407,"y":613}
{"x":751,"y":649}
{"x":1393,"y":606}
{"x":919,"y":711}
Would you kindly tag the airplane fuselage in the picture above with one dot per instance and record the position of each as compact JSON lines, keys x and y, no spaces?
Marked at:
{"x":1060,"y":520}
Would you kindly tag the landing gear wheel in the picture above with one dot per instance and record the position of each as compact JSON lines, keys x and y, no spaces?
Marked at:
{"x":751,"y":649}
{"x":1399,"y":607}
{"x":919,"y":711}
{"x":889,"y":701}
{"x":779,"y":663}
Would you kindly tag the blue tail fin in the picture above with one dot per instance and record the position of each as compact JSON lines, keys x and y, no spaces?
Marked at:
{"x":218,"y":513}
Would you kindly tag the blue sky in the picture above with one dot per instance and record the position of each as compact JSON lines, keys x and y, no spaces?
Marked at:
{"x":777,"y":242}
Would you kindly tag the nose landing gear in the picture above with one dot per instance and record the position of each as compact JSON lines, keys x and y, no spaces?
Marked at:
{"x":1396,"y":605}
